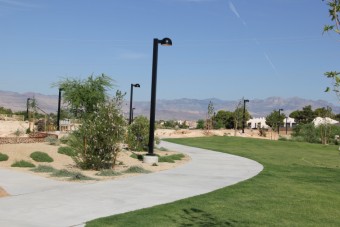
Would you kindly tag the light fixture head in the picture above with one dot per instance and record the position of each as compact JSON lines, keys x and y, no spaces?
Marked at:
{"x":246,"y":100}
{"x":136,"y":85}
{"x":165,"y":42}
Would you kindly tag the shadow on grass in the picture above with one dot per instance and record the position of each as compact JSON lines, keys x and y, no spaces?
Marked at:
{"x":197,"y":217}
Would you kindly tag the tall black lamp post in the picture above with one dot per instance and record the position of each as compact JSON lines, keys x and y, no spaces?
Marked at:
{"x":131,"y":97}
{"x":133,"y":109}
{"x":59,"y":102}
{"x":278,"y":125}
{"x":286,"y":125}
{"x":163,"y":42}
{"x":244,"y":114}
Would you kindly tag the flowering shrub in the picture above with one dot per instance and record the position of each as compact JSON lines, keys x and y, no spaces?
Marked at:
{"x":138,"y":134}
{"x":98,"y":140}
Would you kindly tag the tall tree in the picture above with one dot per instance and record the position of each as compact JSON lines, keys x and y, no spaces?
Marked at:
{"x":224,"y":119}
{"x":209,"y":120}
{"x":85,"y":95}
{"x":274,"y":119}
{"x":304,"y":116}
{"x":334,"y":11}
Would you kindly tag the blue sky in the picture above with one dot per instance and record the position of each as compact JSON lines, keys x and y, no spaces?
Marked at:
{"x":227,"y":49}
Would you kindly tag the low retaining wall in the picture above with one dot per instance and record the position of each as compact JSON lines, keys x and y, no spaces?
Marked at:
{"x":16,"y":140}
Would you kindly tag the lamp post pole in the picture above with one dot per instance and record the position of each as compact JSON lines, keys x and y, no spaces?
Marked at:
{"x":286,"y":125}
{"x":59,"y":102}
{"x":133,"y":109}
{"x":131,"y":97}
{"x":278,"y":125}
{"x":164,"y":42}
{"x":244,"y":113}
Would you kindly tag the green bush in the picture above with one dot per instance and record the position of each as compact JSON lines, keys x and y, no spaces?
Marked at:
{"x":306,"y":132}
{"x":136,"y":169}
{"x":23,"y":164}
{"x":108,"y":172}
{"x":97,"y":141}
{"x":66,"y":151}
{"x":44,"y":169}
{"x":64,"y":139}
{"x":62,"y":173}
{"x":137,"y":156}
{"x":170,"y":158}
{"x":138,"y":134}
{"x":39,"y":156}
{"x":3,"y":157}
{"x":52,"y":140}
{"x":309,"y":133}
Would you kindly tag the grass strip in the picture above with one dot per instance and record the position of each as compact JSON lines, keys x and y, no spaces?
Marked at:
{"x":299,"y":186}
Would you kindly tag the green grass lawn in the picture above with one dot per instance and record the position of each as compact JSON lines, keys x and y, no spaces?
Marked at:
{"x":299,"y":186}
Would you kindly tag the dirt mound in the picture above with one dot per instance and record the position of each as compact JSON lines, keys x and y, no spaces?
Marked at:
{"x":3,"y":193}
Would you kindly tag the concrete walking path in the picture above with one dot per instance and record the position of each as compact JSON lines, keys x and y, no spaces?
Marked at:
{"x":37,"y":201}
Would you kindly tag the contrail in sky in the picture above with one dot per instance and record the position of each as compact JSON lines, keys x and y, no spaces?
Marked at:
{"x":234,"y":10}
{"x":237,"y":14}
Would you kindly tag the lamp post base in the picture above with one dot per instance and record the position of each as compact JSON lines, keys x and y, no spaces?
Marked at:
{"x":150,"y":159}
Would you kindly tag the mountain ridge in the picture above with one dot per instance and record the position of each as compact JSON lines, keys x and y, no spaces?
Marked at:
{"x":176,"y":109}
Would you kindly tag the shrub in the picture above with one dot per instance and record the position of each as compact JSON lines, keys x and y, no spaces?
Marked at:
{"x":79,"y":176}
{"x":137,"y":156}
{"x":3,"y":157}
{"x":307,"y":132}
{"x":138,"y":134}
{"x":97,"y":141}
{"x":136,"y":169}
{"x":62,"y":173}
{"x":66,"y":151}
{"x":39,"y":156}
{"x":108,"y":172}
{"x":23,"y":164}
{"x":64,"y":139}
{"x":52,"y":140}
{"x":171,"y":158}
{"x":44,"y":169}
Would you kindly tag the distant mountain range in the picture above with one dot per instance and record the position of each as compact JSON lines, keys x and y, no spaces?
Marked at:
{"x":178,"y":109}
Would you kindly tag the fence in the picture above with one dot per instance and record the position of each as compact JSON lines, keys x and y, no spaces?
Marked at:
{"x":12,"y":117}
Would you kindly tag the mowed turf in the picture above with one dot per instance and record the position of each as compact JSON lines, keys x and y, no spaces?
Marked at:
{"x":299,"y":186}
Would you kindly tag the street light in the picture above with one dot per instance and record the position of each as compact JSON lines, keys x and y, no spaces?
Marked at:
{"x":131,"y":97}
{"x":163,"y":42}
{"x":58,"y":117}
{"x":286,"y":125}
{"x":278,"y":125}
{"x":244,"y":113}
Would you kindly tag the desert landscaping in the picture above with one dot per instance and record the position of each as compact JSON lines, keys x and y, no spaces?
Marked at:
{"x":62,"y":162}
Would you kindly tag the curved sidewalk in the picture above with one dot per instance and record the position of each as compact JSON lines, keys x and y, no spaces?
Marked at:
{"x":38,"y":201}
